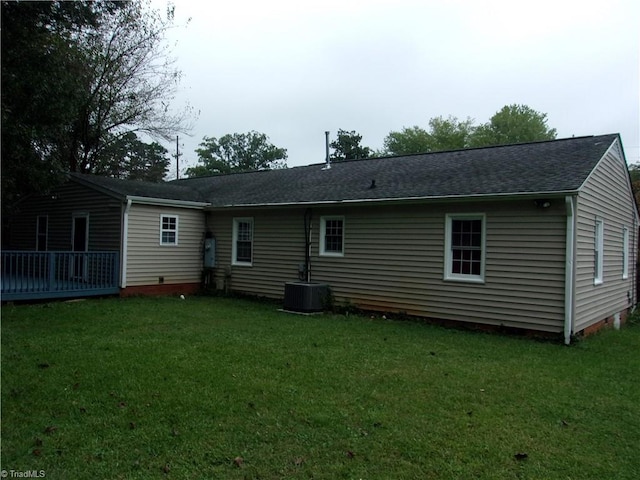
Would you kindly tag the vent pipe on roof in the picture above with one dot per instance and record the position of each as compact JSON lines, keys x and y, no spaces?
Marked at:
{"x":328,"y":159}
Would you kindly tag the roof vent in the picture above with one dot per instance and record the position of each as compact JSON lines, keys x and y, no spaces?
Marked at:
{"x":328,"y":159}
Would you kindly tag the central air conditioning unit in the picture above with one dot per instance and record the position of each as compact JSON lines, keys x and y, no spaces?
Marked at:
{"x":306,"y":297}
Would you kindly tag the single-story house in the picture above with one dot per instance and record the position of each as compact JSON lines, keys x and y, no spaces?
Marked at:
{"x":539,"y":236}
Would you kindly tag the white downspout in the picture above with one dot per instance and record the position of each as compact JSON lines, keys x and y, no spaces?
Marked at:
{"x":125,"y":243}
{"x":569,"y":273}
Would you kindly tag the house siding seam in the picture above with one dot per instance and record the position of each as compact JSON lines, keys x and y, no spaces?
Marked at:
{"x":600,"y":198}
{"x":147,"y":260}
{"x":393,"y":261}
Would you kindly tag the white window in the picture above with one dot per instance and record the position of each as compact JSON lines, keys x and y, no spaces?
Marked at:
{"x":332,"y":236}
{"x":242,"y":241}
{"x":598,"y":253}
{"x":465,"y":247}
{"x":625,"y":253}
{"x":168,"y":230}
{"x":42,"y":233}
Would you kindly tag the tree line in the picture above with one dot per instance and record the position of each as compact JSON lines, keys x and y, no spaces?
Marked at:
{"x":89,"y":87}
{"x":253,"y":151}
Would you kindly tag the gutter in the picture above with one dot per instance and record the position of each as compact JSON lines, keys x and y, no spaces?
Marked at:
{"x":125,"y":243}
{"x":569,"y":289}
{"x":165,"y":202}
{"x":483,"y":196}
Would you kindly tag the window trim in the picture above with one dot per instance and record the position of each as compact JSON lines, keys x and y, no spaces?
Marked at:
{"x":234,"y":244}
{"x":323,"y":230}
{"x":625,"y":252}
{"x":448,"y":248}
{"x":163,"y":230}
{"x":46,"y":233}
{"x":598,"y":252}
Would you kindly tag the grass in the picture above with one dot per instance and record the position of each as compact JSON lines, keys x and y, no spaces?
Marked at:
{"x":233,"y":389}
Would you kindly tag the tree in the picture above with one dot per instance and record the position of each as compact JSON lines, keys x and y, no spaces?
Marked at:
{"x":75,"y":77}
{"x":409,"y":140}
{"x":128,"y":157}
{"x":42,"y":81}
{"x":450,"y":133}
{"x":130,"y":82}
{"x":347,"y":146}
{"x":634,"y":173}
{"x":238,"y":152}
{"x":443,"y":134}
{"x":513,"y":124}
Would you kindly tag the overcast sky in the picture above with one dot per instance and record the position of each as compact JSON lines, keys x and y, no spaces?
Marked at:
{"x":294,"y":69}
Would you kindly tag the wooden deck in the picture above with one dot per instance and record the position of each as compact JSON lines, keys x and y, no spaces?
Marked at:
{"x":44,"y":275}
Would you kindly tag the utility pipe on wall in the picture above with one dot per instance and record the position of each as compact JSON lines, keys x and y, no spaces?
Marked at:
{"x":125,"y":243}
{"x":307,"y":243}
{"x":568,"y":276}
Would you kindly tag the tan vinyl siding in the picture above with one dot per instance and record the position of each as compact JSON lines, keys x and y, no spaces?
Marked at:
{"x":60,"y":205}
{"x":147,"y":260}
{"x":394,"y":261}
{"x":607,"y":196}
{"x":278,"y":248}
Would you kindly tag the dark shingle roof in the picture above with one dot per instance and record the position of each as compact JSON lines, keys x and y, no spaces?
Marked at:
{"x":556,"y":166}
{"x":542,"y":167}
{"x":123,"y":188}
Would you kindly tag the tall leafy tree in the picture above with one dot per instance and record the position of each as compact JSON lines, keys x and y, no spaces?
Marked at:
{"x":634,"y":173}
{"x":450,"y":133}
{"x":237,"y":152}
{"x":43,"y":76}
{"x":513,"y":124}
{"x":130,"y":83}
{"x":128,"y":157}
{"x":443,"y":134}
{"x":348,"y":146}
{"x":75,"y":77}
{"x":407,"y":141}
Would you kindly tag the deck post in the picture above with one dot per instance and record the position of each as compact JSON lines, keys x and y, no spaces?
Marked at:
{"x":51,"y":271}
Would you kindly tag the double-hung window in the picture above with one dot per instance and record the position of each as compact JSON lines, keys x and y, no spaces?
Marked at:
{"x":598,"y":253}
{"x":168,"y":230}
{"x":242,"y":241}
{"x":42,"y":232}
{"x":332,"y":236}
{"x":465,"y":247}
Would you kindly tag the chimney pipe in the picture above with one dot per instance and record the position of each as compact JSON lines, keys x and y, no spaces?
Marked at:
{"x":328,"y":160}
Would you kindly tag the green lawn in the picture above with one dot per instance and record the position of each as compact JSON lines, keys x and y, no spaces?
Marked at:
{"x":227,"y":388}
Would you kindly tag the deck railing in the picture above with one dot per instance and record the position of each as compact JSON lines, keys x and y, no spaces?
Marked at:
{"x":33,"y":275}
